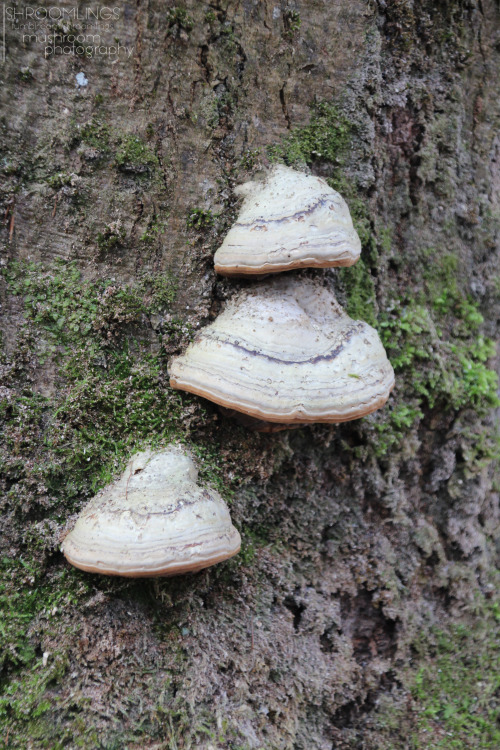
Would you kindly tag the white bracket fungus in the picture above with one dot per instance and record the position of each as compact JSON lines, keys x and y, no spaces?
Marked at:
{"x":154,"y":521}
{"x":285,"y":351}
{"x":291,"y":220}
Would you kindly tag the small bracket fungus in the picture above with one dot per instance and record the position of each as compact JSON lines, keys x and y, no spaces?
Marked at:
{"x":154,"y":521}
{"x":291,"y":220}
{"x":285,"y":351}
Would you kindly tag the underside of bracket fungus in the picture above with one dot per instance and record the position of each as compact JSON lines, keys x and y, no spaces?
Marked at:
{"x":290,"y":220}
{"x":154,"y":521}
{"x":285,"y":351}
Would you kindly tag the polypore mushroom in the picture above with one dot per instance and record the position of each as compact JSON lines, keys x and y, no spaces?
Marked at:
{"x":285,"y":351}
{"x":291,"y":220}
{"x":154,"y":521}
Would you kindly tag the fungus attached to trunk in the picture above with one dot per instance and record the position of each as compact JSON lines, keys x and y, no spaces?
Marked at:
{"x":154,"y":521}
{"x":285,"y":351}
{"x":291,"y":220}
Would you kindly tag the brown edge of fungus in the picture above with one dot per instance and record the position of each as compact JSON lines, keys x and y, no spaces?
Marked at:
{"x":282,"y":418}
{"x":161,"y":572}
{"x":267,"y":268}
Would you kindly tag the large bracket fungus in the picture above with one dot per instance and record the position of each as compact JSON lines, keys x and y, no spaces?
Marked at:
{"x":291,"y":220}
{"x":285,"y":351}
{"x":154,"y":521}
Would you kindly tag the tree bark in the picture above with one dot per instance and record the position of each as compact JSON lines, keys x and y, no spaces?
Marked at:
{"x":364,"y":593}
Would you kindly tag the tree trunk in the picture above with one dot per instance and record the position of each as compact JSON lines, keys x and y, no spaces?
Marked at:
{"x":361,"y":611}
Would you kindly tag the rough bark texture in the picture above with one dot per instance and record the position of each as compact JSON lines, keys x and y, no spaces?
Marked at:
{"x":361,"y":611}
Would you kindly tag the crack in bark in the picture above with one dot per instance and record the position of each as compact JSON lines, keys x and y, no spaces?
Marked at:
{"x":284,"y":106}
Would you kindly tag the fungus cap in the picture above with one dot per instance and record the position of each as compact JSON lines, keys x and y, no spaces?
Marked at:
{"x":285,"y":351}
{"x":291,"y":220}
{"x":154,"y":521}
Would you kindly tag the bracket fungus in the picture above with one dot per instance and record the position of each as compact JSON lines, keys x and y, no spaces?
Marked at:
{"x":285,"y":351}
{"x":154,"y":521}
{"x":291,"y":220}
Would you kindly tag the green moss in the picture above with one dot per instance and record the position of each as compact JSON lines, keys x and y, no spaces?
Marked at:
{"x":443,"y":290}
{"x":385,"y":239}
{"x":154,"y":229}
{"x":480,"y":448}
{"x":22,"y":418}
{"x":182,"y":727}
{"x":83,"y":326}
{"x":391,"y":427}
{"x":446,"y":279}
{"x":134,"y":155}
{"x":10,"y":167}
{"x":249,"y":159}
{"x":434,"y":341}
{"x":292,"y":22}
{"x":446,"y":369}
{"x":178,"y":18}
{"x":59,"y":180}
{"x":25,"y":75}
{"x":247,"y":552}
{"x":54,"y":300}
{"x":134,"y":408}
{"x":111,"y":238}
{"x":105,"y":414}
{"x":24,"y":593}
{"x":72,"y":311}
{"x":17,"y":613}
{"x":27,"y":688}
{"x":456,"y":687}
{"x":325,"y":138}
{"x":96,"y":134}
{"x":200,"y":219}
{"x":359,"y":287}
{"x":447,"y":699}
{"x":160,"y":290}
{"x":210,"y":464}
{"x":26,"y":700}
{"x":38,"y":706}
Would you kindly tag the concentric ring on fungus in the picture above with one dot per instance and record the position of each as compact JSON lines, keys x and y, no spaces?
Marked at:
{"x":290,"y":220}
{"x":285,"y":351}
{"x":154,"y":521}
